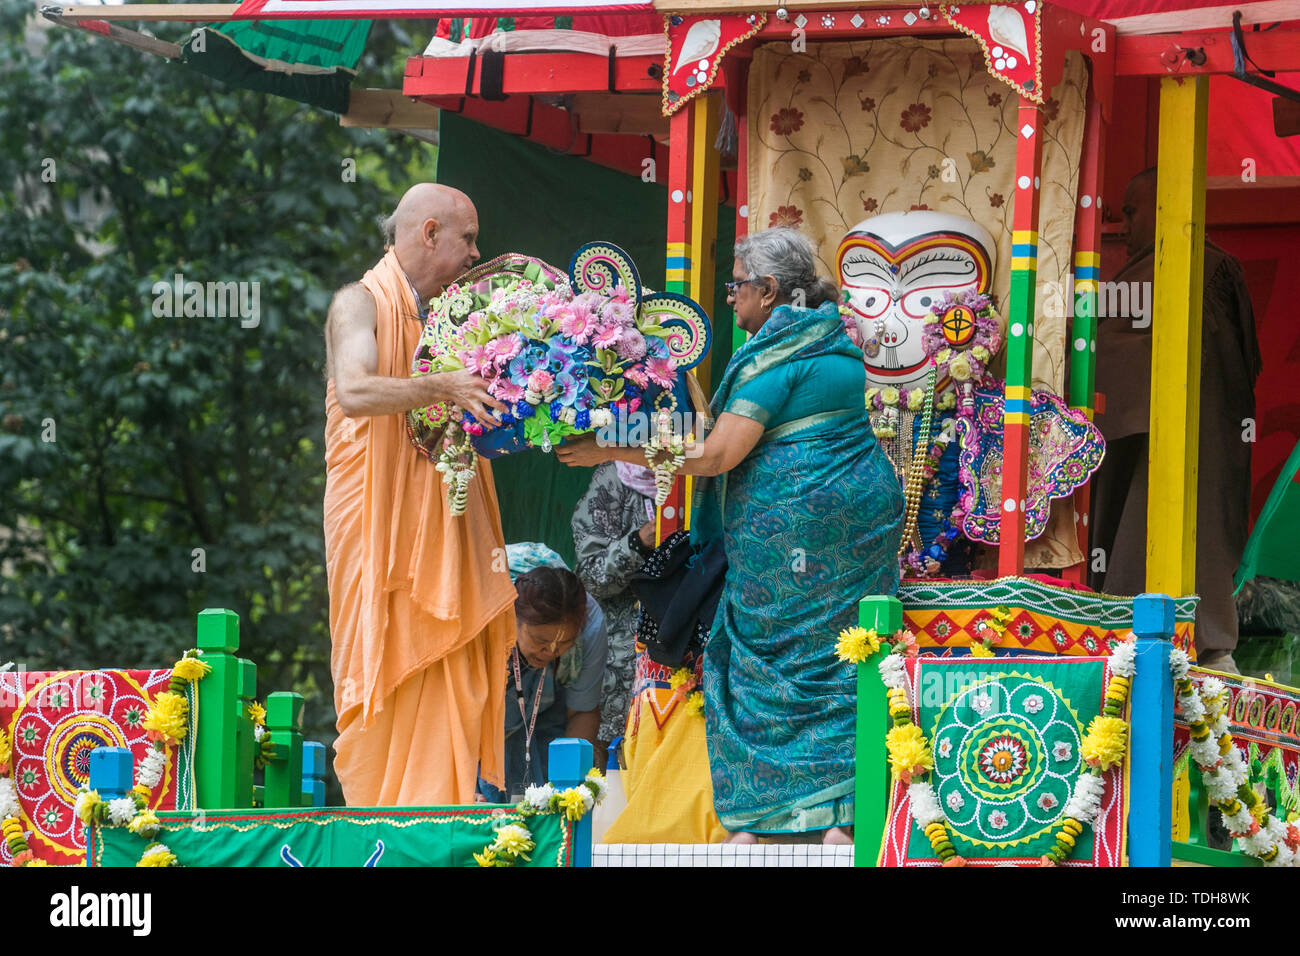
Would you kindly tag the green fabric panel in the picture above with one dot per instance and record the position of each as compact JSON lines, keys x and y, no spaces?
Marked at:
{"x":435,"y":836}
{"x":532,"y":201}
{"x":947,"y":715}
{"x":1271,"y":549}
{"x":334,"y":44}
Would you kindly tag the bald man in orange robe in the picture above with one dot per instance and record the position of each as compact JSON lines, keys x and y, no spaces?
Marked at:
{"x":421,"y":604}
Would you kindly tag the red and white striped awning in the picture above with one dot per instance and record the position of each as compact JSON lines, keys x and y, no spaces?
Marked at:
{"x":429,"y":9}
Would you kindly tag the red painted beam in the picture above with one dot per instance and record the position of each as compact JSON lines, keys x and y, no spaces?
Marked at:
{"x":552,"y":128}
{"x":534,"y":73}
{"x":1166,"y":53}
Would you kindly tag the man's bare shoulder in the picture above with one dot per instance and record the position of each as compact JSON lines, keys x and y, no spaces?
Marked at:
{"x":352,"y":302}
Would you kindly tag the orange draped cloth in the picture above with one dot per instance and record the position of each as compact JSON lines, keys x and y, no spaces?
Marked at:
{"x":421,"y":604}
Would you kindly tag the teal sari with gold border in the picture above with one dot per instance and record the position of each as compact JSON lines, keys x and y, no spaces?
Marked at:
{"x":811,"y":522}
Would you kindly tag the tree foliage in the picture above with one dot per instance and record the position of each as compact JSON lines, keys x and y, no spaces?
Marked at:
{"x":137,"y":449}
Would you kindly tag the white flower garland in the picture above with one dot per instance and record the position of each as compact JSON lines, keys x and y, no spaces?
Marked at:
{"x":8,"y":799}
{"x":1224,"y":771}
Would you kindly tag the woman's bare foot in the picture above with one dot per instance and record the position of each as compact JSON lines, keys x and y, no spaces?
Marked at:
{"x":837,"y":836}
{"x":742,"y":838}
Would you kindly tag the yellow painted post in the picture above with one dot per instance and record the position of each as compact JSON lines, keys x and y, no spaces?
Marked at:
{"x":704,"y":211}
{"x":1176,"y":336}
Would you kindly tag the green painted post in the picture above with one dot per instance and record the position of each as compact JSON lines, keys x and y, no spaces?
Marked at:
{"x":215,"y":764}
{"x":283,"y":784}
{"x":871,"y":790}
{"x":245,"y":746}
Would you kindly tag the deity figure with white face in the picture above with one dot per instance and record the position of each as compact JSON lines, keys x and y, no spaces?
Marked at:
{"x":893,"y":267}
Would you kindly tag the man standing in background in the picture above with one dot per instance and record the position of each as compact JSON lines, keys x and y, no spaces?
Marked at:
{"x":1230,"y":364}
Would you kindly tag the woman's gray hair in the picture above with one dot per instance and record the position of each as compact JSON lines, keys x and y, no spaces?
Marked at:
{"x":788,"y":257}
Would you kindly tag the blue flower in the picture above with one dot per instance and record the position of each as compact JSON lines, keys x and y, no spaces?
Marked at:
{"x":568,"y":388}
{"x":524,"y":410}
{"x":556,"y":408}
{"x":558,"y":359}
{"x":656,"y":347}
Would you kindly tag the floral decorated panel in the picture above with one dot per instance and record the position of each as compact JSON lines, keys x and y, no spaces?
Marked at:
{"x":1008,"y":753}
{"x":51,"y":722}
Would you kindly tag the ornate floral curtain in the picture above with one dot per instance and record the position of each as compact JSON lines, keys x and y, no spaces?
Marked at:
{"x":849,"y":130}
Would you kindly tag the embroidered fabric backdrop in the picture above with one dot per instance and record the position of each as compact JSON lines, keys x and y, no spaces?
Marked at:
{"x":850,"y":130}
{"x":54,"y":720}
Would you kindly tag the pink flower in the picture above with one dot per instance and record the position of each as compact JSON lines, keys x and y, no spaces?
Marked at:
{"x":618,"y":312}
{"x":578,"y":324}
{"x":506,"y":390}
{"x":505,"y":348}
{"x":620,"y":294}
{"x":637,"y":376}
{"x":541,"y":381}
{"x":661,"y":371}
{"x":630,"y":346}
{"x":607,"y":336}
{"x":478,"y":360}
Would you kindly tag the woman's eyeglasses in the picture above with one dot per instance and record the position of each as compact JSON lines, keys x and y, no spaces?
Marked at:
{"x":732,"y":287}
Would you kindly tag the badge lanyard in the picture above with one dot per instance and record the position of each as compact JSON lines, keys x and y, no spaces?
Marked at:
{"x":531,"y":724}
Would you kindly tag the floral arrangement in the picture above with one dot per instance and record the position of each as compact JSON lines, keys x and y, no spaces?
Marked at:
{"x":910,"y":758}
{"x":1223,"y":769}
{"x":564,"y":363}
{"x":514,"y":841}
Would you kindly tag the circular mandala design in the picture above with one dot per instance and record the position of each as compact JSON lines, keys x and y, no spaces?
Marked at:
{"x":1006,"y":758}
{"x":1288,"y":719}
{"x":60,"y":722}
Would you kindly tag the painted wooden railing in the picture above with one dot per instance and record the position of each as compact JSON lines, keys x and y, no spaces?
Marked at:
{"x":1151,"y":780}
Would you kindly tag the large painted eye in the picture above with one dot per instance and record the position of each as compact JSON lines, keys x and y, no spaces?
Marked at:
{"x":917,"y":303}
{"x":870,"y":303}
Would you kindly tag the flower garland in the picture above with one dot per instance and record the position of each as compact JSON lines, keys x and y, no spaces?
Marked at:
{"x":910,"y":759}
{"x":514,"y":841}
{"x":684,"y":683}
{"x":960,"y":336}
{"x":167,"y":723}
{"x":665,"y":440}
{"x":1224,"y":771}
{"x":261,"y":737}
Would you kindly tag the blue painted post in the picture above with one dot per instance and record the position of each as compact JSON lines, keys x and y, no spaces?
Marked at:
{"x":568,"y":761}
{"x":313,"y":774}
{"x":1151,"y":747}
{"x":111,"y":772}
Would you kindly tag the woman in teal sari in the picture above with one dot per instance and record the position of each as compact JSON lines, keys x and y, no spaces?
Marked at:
{"x":810,"y":515}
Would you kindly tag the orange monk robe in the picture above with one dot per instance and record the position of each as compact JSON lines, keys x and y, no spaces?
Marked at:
{"x":421,"y":615}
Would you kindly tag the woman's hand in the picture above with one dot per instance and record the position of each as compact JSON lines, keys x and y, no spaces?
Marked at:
{"x":584,"y":452}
